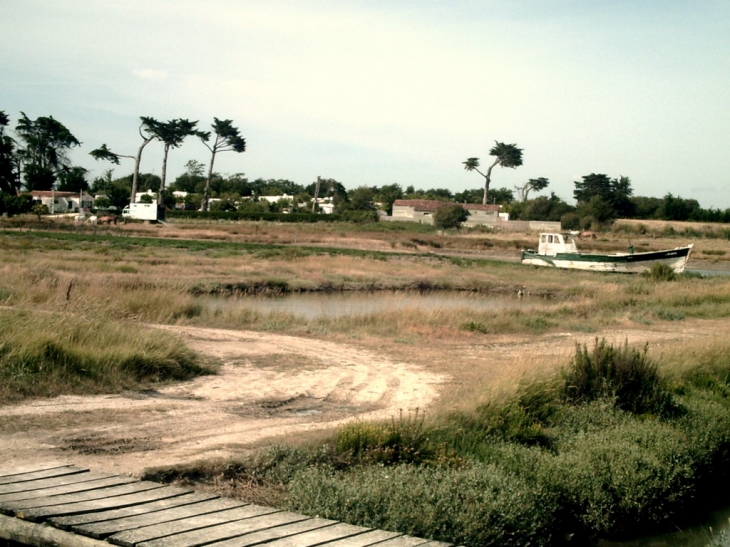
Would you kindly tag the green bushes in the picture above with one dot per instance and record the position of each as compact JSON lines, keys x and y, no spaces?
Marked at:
{"x":624,"y":375}
{"x":402,"y":440}
{"x":480,"y":505}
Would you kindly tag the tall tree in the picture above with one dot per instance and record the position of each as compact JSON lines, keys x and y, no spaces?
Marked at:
{"x":43,"y":150}
{"x":506,"y":155}
{"x":148,"y":130}
{"x":531,"y":185}
{"x":172,"y":134}
{"x":227,"y":139}
{"x":73,"y":179}
{"x":615,"y":193}
{"x":9,"y":179}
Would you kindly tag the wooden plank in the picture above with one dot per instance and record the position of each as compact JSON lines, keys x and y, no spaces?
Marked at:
{"x":28,"y":533}
{"x":20,"y":469}
{"x":98,"y":504}
{"x":191,"y":524}
{"x":52,"y":482}
{"x":265,"y":524}
{"x":34,"y":475}
{"x":403,"y":541}
{"x":436,"y":544}
{"x":319,"y":536}
{"x":266,"y":535}
{"x":66,"y":523}
{"x":13,"y":507}
{"x":73,"y":488}
{"x":107,"y":528}
{"x":362,"y":540}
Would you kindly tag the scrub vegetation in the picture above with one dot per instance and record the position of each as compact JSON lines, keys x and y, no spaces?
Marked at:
{"x":615,"y":440}
{"x":606,"y":447}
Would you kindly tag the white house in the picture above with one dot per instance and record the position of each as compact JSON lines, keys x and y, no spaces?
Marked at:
{"x":62,"y":202}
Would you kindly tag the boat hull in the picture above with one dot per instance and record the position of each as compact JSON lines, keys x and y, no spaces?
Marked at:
{"x":619,"y":263}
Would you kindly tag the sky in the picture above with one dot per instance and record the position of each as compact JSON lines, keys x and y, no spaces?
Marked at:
{"x":390,"y":91}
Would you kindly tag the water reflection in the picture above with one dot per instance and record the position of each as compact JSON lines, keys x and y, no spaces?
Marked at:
{"x":319,"y":305}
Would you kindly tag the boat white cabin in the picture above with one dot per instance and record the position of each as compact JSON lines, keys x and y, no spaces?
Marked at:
{"x":552,"y":244}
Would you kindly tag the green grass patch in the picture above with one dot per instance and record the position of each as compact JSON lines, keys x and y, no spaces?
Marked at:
{"x":49,"y":354}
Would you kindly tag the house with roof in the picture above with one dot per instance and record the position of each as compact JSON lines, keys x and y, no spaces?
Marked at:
{"x":422,"y":210}
{"x":62,"y":202}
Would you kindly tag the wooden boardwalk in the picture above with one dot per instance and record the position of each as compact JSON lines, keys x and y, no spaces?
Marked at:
{"x":65,"y":506}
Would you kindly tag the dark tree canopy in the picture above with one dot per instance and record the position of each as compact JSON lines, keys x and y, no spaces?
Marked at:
{"x":148,"y":130}
{"x":227,"y":139}
{"x":9,"y":179}
{"x":532,"y":185}
{"x":449,"y":216}
{"x":387,"y":194}
{"x":507,"y":155}
{"x":73,"y":179}
{"x":172,"y":134}
{"x":43,"y":150}
{"x":615,"y":193}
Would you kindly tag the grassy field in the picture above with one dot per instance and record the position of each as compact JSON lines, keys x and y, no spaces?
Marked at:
{"x":607,"y":441}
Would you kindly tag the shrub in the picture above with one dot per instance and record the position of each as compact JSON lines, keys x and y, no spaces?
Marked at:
{"x":481,"y":505}
{"x":402,"y":440}
{"x":625,"y":375}
{"x":614,"y":473}
{"x":570,"y":221}
{"x":660,"y":272}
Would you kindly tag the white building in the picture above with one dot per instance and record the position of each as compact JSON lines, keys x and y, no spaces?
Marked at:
{"x":62,"y":202}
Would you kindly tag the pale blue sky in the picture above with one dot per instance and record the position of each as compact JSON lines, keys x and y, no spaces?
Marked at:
{"x":376,"y":92}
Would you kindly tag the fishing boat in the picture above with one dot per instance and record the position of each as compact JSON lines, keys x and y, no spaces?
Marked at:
{"x":558,"y":250}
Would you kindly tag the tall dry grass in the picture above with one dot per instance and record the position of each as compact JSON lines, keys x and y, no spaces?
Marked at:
{"x":46,"y":354}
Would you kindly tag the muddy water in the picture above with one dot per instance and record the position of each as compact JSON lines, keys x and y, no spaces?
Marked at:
{"x":313,"y":306}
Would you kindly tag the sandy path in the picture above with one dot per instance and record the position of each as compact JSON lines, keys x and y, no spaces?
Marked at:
{"x":269,"y":386}
{"x":273,"y":386}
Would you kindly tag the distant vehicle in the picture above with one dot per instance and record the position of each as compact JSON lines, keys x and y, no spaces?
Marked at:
{"x":141,"y":211}
{"x":558,"y":250}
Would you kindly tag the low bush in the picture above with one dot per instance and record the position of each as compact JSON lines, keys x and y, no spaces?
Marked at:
{"x":625,"y":375}
{"x":480,"y":505}
{"x":660,"y":272}
{"x":402,"y":440}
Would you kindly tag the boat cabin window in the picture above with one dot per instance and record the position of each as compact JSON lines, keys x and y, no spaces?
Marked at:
{"x":550,"y":239}
{"x":543,"y":238}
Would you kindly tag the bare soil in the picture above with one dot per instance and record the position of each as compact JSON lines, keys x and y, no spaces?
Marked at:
{"x":269,"y":386}
{"x":274,"y":388}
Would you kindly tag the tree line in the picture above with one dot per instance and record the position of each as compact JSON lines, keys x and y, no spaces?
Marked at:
{"x":37,"y":158}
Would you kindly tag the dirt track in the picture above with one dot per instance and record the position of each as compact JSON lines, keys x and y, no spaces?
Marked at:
{"x":269,"y":386}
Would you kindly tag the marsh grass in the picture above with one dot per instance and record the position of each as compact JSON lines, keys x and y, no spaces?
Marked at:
{"x":46,"y":354}
{"x":622,"y":374}
{"x":155,"y":279}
